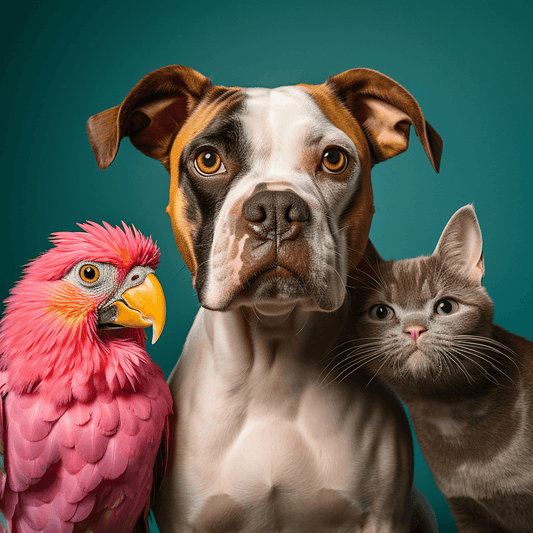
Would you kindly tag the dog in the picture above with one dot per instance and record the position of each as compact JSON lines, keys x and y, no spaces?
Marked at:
{"x":271,"y":205}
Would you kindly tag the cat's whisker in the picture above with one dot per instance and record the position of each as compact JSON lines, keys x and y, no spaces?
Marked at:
{"x":386,"y":357}
{"x":346,"y":369}
{"x":354,"y":362}
{"x":355,"y":349}
{"x":356,"y":365}
{"x":349,"y":367}
{"x":463,"y":353}
{"x":359,"y":354}
{"x":478,"y":348}
{"x":486,"y":358}
{"x":459,"y":364}
{"x":357,"y":342}
{"x":493,"y":346}
{"x":482,"y":345}
{"x":354,"y":354}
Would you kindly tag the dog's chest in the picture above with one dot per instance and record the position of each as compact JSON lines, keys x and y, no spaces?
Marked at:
{"x":283,"y":464}
{"x":307,"y":449}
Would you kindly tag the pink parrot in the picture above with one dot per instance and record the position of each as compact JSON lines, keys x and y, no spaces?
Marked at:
{"x":85,"y":410}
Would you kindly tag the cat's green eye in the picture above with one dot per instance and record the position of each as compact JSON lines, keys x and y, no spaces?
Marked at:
{"x":382,"y":312}
{"x":447,"y":306}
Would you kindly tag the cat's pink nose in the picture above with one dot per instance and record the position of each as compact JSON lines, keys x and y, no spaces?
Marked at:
{"x":415,"y":331}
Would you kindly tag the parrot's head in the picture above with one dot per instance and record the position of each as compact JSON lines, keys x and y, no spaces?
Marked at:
{"x":79,"y":304}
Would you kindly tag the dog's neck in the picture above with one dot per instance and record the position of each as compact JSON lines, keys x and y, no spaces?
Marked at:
{"x":246,"y":340}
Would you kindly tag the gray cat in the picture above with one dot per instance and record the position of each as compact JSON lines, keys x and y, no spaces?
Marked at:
{"x":425,"y":328}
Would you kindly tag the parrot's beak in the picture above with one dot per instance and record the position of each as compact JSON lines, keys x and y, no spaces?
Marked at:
{"x":143,"y":306}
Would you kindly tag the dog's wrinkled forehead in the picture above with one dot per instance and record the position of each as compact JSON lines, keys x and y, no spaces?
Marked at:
{"x":260,"y":126}
{"x":282,"y":122}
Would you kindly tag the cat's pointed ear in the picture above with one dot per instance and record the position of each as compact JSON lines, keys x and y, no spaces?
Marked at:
{"x":371,"y":255}
{"x":367,"y":266}
{"x":461,"y":244}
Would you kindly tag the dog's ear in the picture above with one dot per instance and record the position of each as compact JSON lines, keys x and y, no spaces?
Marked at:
{"x":150,"y":115}
{"x":386,"y":111}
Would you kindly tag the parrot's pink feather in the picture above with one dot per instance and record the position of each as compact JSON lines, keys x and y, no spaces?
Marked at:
{"x":122,"y":247}
{"x":85,"y":409}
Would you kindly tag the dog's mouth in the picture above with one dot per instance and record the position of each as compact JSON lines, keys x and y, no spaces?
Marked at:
{"x":278,"y":284}
{"x":275,"y":282}
{"x":274,"y":270}
{"x":266,"y":273}
{"x":271,"y":284}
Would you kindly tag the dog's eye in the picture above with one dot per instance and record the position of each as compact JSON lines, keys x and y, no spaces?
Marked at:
{"x":89,"y":273}
{"x":334,"y":161}
{"x":208,"y":162}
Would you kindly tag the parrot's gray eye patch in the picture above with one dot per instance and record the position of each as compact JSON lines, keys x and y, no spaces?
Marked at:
{"x":92,"y":277}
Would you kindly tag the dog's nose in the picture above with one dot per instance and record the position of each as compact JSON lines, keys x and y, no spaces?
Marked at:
{"x":276,"y":213}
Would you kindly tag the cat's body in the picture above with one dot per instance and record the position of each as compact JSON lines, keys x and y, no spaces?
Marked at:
{"x":425,"y":328}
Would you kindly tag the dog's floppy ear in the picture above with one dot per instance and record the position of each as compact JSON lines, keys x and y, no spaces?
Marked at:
{"x":385,"y":110}
{"x":150,"y":115}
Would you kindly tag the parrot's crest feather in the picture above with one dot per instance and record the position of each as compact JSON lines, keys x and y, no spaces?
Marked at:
{"x":123,"y":247}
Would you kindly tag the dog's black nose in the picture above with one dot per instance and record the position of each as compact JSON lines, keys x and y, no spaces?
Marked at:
{"x":276,"y":213}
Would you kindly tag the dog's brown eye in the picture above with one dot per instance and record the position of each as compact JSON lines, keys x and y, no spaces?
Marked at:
{"x":89,"y":273}
{"x":209,"y":162}
{"x":334,"y":161}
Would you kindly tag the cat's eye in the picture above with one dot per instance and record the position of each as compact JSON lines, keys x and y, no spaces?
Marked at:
{"x":208,"y":163}
{"x":447,"y":306}
{"x":382,"y":312}
{"x":334,"y":161}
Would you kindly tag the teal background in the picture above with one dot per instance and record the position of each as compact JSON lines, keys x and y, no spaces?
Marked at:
{"x":468,"y":65}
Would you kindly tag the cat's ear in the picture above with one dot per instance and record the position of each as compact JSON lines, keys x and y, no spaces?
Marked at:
{"x":371,"y":255}
{"x":366,"y":269}
{"x":461,"y":244}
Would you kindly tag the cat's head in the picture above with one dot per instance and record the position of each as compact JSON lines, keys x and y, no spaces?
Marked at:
{"x":424,"y":324}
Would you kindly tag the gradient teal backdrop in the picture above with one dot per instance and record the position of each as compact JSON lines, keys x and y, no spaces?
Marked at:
{"x":468,"y":64}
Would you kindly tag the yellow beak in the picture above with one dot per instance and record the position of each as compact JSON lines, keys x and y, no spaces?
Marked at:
{"x":145,"y":307}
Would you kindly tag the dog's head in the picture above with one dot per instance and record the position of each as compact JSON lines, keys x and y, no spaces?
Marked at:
{"x":270,"y":195}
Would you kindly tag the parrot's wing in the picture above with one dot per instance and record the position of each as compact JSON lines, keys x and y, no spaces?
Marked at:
{"x":160,"y":468}
{"x":3,"y":522}
{"x":161,"y":461}
{"x":98,"y":442}
{"x":2,"y":468}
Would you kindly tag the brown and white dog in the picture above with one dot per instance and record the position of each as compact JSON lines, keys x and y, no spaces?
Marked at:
{"x":271,"y":204}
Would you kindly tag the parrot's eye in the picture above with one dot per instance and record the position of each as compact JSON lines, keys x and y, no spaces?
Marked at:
{"x":89,"y":273}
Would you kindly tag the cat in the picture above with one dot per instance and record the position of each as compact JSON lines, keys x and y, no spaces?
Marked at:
{"x":425,"y":328}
